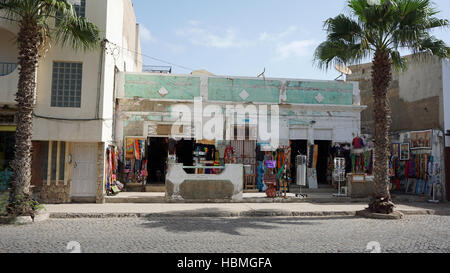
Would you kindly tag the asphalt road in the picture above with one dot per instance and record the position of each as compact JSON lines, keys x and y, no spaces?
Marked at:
{"x":230,"y":235}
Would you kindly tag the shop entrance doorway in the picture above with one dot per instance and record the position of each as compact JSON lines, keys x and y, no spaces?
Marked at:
{"x":6,"y":150}
{"x":158,"y":153}
{"x":323,"y":161}
{"x":447,"y":172}
{"x":298,"y":147}
{"x":184,"y":153}
{"x":6,"y":157}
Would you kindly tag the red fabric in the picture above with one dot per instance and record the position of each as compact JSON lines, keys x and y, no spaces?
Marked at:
{"x":358,"y":143}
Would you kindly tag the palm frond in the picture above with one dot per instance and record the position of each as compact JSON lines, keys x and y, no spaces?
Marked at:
{"x":430,"y":45}
{"x":400,"y":63}
{"x":78,"y":32}
{"x":330,"y":53}
{"x":390,"y":26}
{"x":343,"y":27}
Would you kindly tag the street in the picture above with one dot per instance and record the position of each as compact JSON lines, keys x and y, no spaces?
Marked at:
{"x":230,"y":235}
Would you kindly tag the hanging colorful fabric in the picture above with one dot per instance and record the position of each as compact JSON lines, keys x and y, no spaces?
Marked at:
{"x":129,"y":148}
{"x":137,"y":150}
{"x":316,"y":155}
{"x":260,"y":175}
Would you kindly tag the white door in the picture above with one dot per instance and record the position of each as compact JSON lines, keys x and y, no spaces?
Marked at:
{"x":84,"y":175}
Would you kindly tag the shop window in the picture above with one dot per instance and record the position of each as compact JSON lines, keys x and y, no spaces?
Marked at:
{"x":66,"y":84}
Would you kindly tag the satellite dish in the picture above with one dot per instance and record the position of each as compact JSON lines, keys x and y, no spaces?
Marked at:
{"x":343,"y":69}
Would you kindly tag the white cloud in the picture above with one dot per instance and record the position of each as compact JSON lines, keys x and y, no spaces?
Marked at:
{"x":212,"y":37}
{"x":146,"y":35}
{"x":273,"y":37}
{"x":299,"y":48}
{"x":175,"y":48}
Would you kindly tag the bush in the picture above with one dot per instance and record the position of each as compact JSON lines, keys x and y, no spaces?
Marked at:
{"x":23,"y":206}
{"x":3,"y":202}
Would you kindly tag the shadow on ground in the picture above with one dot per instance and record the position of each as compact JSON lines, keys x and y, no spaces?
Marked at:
{"x":440,"y":209}
{"x":228,"y":225}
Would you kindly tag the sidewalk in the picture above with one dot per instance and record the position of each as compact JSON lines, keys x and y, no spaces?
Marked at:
{"x":321,"y":196}
{"x":230,"y":210}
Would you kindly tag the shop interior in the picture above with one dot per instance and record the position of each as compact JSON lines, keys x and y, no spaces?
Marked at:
{"x":147,"y":160}
{"x":183,"y":150}
{"x":157,"y":154}
{"x":324,"y":163}
{"x":6,"y":149}
{"x":6,"y":157}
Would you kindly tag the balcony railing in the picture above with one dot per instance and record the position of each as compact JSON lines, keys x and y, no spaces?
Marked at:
{"x":7,"y":68}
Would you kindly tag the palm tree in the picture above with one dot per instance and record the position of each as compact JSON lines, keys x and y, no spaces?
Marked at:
{"x":37,"y":29}
{"x":379,"y":29}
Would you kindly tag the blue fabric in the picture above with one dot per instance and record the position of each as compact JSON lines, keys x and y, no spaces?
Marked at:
{"x":260,"y":175}
{"x":4,"y":180}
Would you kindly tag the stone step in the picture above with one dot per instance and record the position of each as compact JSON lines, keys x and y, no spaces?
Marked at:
{"x":134,"y":200}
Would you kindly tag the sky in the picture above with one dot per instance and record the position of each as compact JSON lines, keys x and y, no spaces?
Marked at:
{"x":243,"y":37}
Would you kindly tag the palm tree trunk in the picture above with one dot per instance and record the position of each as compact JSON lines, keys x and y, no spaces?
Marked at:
{"x":381,"y":78}
{"x":28,"y":40}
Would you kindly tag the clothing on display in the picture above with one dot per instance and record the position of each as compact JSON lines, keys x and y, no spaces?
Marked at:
{"x":111,"y":170}
{"x":358,"y":143}
{"x":229,"y":156}
{"x":135,"y":160}
{"x":418,"y":168}
{"x":362,"y":163}
{"x":129,"y":148}
{"x":275,"y":172}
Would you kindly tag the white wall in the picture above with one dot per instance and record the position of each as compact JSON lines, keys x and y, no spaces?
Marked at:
{"x":8,"y":54}
{"x":47,"y":129}
{"x":120,"y":29}
{"x":8,"y":88}
{"x":95,"y":117}
{"x":446,"y":83}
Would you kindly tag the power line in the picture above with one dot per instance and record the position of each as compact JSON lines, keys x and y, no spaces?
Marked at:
{"x":153,"y":58}
{"x":132,"y":51}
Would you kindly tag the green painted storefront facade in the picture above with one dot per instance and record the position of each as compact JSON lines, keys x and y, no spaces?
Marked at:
{"x":147,"y":86}
{"x":244,"y":90}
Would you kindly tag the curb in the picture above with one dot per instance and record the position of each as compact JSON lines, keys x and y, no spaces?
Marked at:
{"x":396,"y":215}
{"x":232,"y":214}
{"x":24,"y":220}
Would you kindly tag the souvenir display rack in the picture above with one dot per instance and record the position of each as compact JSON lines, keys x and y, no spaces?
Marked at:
{"x":339,"y":175}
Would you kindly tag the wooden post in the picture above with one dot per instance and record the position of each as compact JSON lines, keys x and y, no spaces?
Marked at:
{"x":71,"y":165}
{"x":66,"y":165}
{"x":49,"y":166}
{"x":58,"y":156}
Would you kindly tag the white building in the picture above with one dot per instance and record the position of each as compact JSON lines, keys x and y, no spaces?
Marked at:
{"x":74,"y":113}
{"x":310,"y":113}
